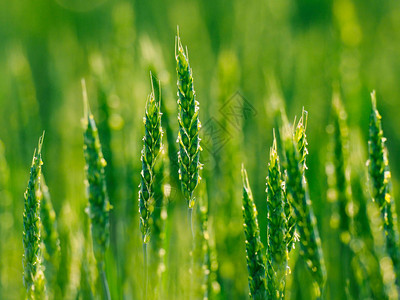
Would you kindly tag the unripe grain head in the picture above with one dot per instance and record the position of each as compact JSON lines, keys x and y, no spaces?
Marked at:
{"x":189,"y":126}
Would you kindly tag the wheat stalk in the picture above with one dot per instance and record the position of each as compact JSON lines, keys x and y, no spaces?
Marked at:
{"x":378,"y":167}
{"x":34,"y":280}
{"x":200,"y":251}
{"x":276,"y":105}
{"x":254,"y":247}
{"x":99,"y":206}
{"x":189,"y":126}
{"x":158,"y":213}
{"x":277,"y":251}
{"x":298,"y":195}
{"x":152,"y":148}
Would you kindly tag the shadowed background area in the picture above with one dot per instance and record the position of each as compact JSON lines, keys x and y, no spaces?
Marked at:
{"x":244,"y":55}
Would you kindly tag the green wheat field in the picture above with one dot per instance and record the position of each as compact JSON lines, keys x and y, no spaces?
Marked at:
{"x":216,"y":149}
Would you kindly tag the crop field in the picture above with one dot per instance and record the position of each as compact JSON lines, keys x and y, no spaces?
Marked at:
{"x":221,"y":149}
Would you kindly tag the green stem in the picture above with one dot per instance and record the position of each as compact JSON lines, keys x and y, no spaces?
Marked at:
{"x":145,"y":269}
{"x":191,"y":270}
{"x":190,"y":220}
{"x":104,"y":283}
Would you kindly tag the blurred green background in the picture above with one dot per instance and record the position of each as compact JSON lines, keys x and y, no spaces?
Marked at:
{"x":296,"y":50}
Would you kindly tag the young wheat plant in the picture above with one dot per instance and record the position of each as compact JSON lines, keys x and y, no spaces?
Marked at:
{"x":378,"y":166}
{"x":254,"y":247}
{"x":99,"y":206}
{"x":34,"y":280}
{"x":277,"y":251}
{"x":189,"y":126}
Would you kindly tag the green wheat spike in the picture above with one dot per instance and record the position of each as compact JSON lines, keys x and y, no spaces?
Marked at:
{"x":297,"y":192}
{"x":277,"y":252}
{"x":380,"y":177}
{"x":49,"y":232}
{"x":189,"y":126}
{"x":99,"y":205}
{"x":34,"y":280}
{"x":159,"y":215}
{"x":291,"y":236}
{"x":254,"y":247}
{"x":152,"y":148}
{"x":277,"y":105}
{"x":365,"y":263}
